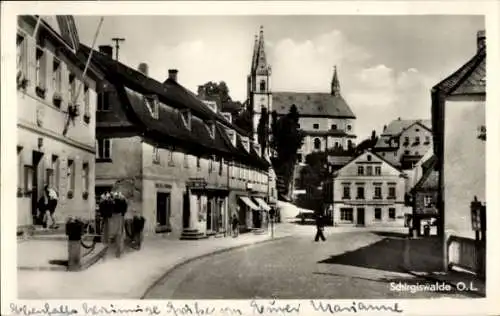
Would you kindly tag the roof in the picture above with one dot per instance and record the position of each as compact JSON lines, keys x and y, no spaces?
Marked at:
{"x":312,"y":104}
{"x":396,"y":127}
{"x":374,"y":154}
{"x":429,"y":180}
{"x":170,"y":92}
{"x":470,"y":78}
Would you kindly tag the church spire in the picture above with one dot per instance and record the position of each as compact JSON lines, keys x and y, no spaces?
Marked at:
{"x":255,"y":53}
{"x":261,"y":66}
{"x":335,"y":83}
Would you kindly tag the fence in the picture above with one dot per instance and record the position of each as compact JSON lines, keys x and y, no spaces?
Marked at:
{"x":467,"y":253}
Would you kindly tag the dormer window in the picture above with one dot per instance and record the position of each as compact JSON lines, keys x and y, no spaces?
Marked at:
{"x":246,"y":143}
{"x":211,"y":129}
{"x":232,"y":136}
{"x":152,"y":105}
{"x":186,"y":118}
{"x":257,"y":148}
{"x":228,"y":117}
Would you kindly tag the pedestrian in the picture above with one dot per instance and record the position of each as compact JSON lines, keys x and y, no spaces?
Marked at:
{"x":320,"y":227}
{"x":50,"y":203}
{"x":235,"y":223}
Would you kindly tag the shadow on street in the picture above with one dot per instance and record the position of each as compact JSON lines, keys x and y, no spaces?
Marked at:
{"x":388,"y":255}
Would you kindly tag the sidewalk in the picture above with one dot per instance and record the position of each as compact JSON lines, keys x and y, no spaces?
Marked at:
{"x":130,"y":276}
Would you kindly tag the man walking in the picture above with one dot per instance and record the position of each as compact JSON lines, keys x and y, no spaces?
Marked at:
{"x":320,"y":226}
{"x":235,"y":223}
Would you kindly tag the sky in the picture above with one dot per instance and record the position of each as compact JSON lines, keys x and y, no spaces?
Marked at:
{"x":386,"y":64}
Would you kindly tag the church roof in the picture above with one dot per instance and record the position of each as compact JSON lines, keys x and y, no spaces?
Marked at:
{"x":315,"y":104}
{"x":398,"y":126}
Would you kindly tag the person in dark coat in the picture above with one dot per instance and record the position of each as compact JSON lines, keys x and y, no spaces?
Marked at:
{"x":320,"y":227}
{"x":235,"y":223}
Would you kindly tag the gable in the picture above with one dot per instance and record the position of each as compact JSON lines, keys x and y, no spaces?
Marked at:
{"x":368,"y":159}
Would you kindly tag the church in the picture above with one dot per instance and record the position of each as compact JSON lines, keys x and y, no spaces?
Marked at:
{"x":325,"y":117}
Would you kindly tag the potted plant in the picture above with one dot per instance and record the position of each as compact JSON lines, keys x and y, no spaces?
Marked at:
{"x":57,"y":99}
{"x":85,"y":195}
{"x":70,"y":194}
{"x":40,"y":92}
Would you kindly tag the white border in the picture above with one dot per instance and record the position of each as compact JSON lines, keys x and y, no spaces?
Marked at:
{"x":491,"y":9}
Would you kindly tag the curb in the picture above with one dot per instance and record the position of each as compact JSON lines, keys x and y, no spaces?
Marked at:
{"x":180,"y":264}
{"x":436,"y":279}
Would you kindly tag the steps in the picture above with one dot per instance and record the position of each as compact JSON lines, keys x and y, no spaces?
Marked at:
{"x":192,"y":234}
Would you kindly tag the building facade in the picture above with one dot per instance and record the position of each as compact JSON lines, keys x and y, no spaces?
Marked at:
{"x":182,"y":165}
{"x":55,"y":130}
{"x":368,"y":191}
{"x":459,"y":100}
{"x":405,"y":142}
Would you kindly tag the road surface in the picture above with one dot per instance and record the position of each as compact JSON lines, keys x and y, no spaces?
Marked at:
{"x":350,"y":265}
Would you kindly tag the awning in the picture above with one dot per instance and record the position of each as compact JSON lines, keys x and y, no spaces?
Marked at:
{"x":262,"y":204}
{"x":249,"y":203}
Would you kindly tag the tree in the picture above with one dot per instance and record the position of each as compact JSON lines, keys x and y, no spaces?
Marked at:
{"x":368,"y":143}
{"x":244,"y":120}
{"x":219,"y":92}
{"x":263,"y":129}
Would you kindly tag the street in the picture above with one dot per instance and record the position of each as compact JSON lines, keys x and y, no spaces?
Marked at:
{"x":348,"y":265}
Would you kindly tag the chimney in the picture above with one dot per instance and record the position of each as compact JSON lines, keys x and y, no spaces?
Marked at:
{"x":481,"y":39}
{"x":172,"y":74}
{"x":201,"y":92}
{"x":106,"y":50}
{"x":143,"y":68}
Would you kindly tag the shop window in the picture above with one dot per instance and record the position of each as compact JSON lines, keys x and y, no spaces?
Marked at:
{"x":346,"y":215}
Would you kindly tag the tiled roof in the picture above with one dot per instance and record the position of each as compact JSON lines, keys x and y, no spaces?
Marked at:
{"x":312,"y":104}
{"x":396,"y":127}
{"x":468,"y":77}
{"x":429,"y":180}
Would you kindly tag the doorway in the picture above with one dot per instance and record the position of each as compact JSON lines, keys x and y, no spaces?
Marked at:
{"x":185,"y":211}
{"x":163,"y":212}
{"x":36,"y":187}
{"x":360,"y":217}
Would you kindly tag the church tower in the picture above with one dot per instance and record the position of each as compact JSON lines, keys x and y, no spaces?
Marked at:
{"x":259,"y":82}
{"x":335,"y":83}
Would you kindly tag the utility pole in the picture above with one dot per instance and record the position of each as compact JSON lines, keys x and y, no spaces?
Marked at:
{"x":117,"y":41}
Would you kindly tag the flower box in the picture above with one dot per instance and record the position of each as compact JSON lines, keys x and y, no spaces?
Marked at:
{"x":85,"y":195}
{"x":40,"y":92}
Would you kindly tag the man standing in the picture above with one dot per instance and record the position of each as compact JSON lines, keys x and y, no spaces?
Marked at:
{"x":235,"y":223}
{"x":320,"y":226}
{"x":50,"y":200}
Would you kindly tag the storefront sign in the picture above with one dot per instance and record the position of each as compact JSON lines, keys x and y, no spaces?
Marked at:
{"x":163,"y":186}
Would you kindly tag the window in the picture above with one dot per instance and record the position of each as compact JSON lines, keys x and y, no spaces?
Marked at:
{"x":103,"y":101}
{"x":407,"y":152}
{"x":262,"y":85}
{"x":417,"y":140}
{"x":85,"y":177}
{"x":317,"y":143}
{"x":368,"y":157}
{"x":104,"y":149}
{"x":211,"y":129}
{"x":392,"y":193}
{"x":378,"y":214}
{"x":378,"y":193}
{"x":334,"y":127}
{"x":349,"y":127}
{"x":28,"y":179}
{"x":56,"y":75}
{"x":349,"y":144}
{"x":186,"y":160}
{"x":72,"y":87}
{"x":316,"y":126}
{"x":156,"y":155}
{"x":198,"y":163}
{"x":210,"y":164}
{"x":360,"y":193}
{"x":392,"y":213}
{"x":186,"y":118}
{"x":346,"y":214}
{"x":428,"y":201}
{"x":369,"y":170}
{"x":21,"y":53}
{"x":55,"y":172}
{"x":360,"y":170}
{"x":86,"y":99}
{"x":40,"y":68}
{"x":378,"y":171}
{"x":221,"y":165}
{"x":71,"y":175}
{"x":171,"y":157}
{"x":152,"y":105}
{"x":347,"y":192}
{"x":427,"y":140}
{"x":407,"y":141}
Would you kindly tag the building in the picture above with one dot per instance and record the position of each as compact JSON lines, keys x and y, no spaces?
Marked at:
{"x":459,"y":101}
{"x":326,"y":118}
{"x":181,"y":164}
{"x":368,"y":191}
{"x":55,"y":131}
{"x":405,"y":142}
{"x":424,"y":196}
